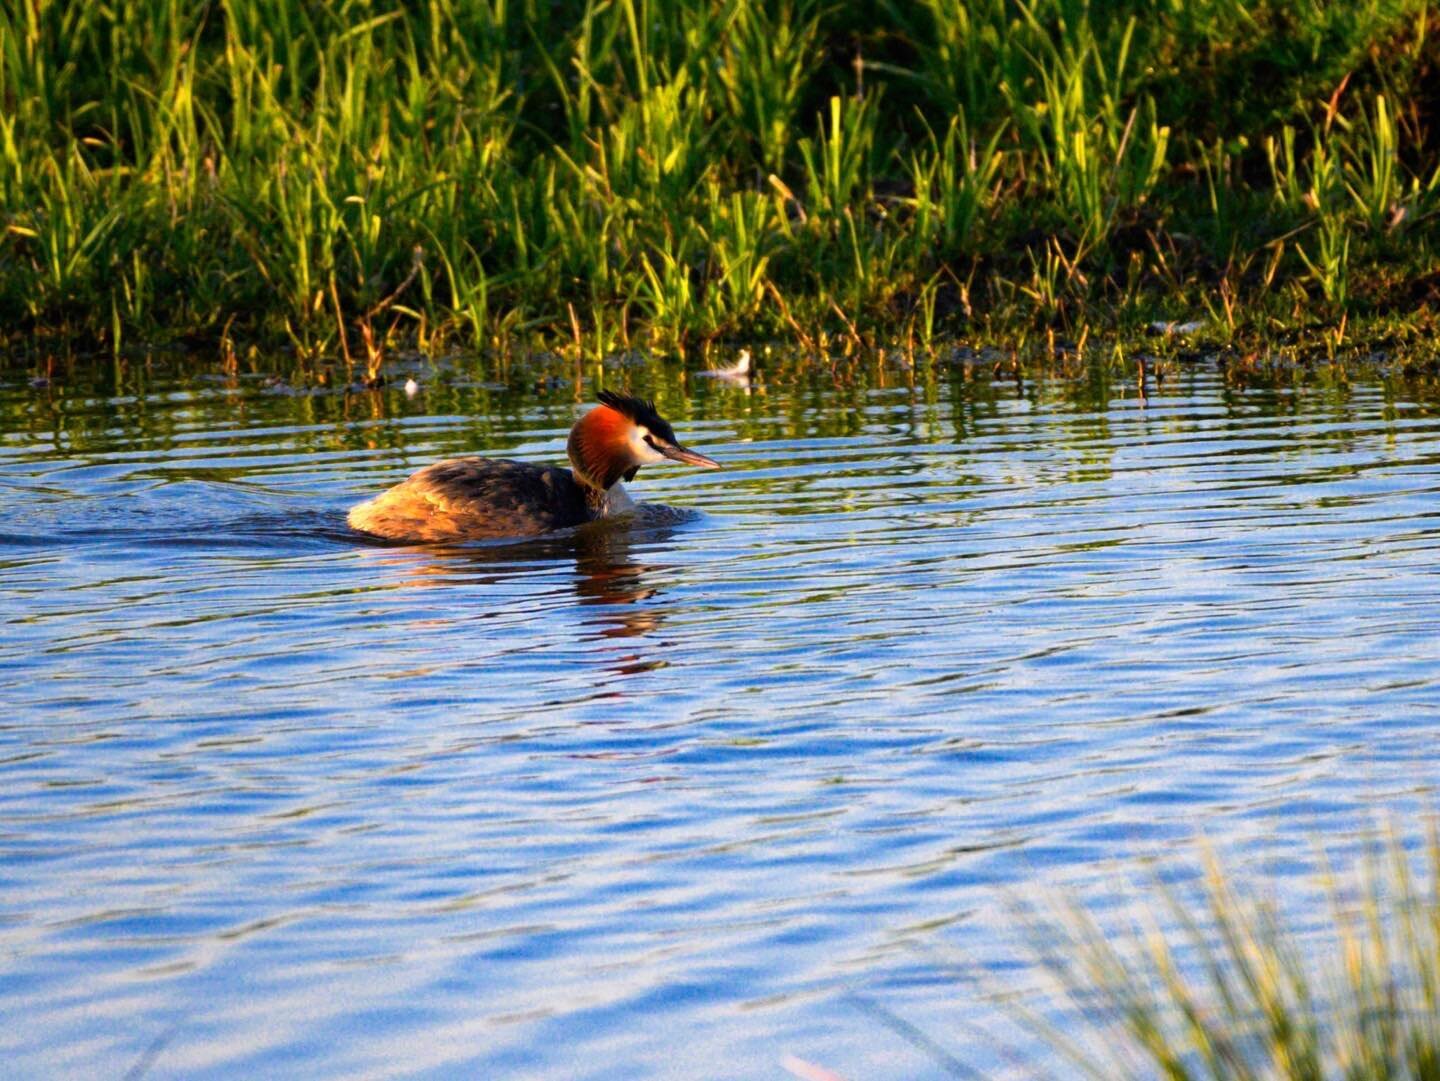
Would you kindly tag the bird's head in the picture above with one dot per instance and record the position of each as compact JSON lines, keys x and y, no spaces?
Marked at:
{"x":618,"y":436}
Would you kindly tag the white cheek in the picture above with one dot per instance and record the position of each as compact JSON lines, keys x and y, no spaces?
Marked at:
{"x":644,"y":453}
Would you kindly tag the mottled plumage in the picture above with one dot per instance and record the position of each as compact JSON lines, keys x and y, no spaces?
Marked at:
{"x":481,"y":498}
{"x":476,"y":498}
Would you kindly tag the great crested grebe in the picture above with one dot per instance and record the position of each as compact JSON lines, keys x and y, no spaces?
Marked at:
{"x":479,"y":498}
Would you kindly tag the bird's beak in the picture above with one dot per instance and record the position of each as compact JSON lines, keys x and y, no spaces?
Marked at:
{"x":676,"y":453}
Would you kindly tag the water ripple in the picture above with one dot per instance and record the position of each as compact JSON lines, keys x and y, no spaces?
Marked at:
{"x":644,"y":800}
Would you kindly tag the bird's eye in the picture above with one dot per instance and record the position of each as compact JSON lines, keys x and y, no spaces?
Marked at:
{"x":650,"y":439}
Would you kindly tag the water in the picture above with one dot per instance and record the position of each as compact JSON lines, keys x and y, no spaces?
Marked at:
{"x":681,"y":799}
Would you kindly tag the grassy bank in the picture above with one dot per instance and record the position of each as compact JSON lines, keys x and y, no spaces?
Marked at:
{"x":666,"y":175}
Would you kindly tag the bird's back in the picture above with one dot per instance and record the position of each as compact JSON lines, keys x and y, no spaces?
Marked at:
{"x":475,"y":498}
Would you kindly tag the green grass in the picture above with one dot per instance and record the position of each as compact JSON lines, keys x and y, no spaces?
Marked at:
{"x":662,"y":176}
{"x":1222,"y":986}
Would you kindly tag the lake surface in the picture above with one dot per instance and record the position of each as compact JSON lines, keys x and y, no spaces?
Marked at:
{"x":680,"y":799}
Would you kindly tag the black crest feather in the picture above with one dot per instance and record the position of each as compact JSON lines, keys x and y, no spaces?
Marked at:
{"x":640,"y":410}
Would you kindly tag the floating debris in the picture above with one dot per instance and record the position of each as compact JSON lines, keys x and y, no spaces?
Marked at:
{"x":1161,"y":326}
{"x":739,"y":372}
{"x":808,"y":1071}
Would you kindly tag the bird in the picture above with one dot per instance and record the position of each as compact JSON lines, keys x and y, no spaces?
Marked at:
{"x":487,"y":498}
{"x":739,"y":372}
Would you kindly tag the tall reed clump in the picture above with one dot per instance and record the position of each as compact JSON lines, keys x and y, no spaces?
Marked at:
{"x":1230,"y":991}
{"x":666,"y":174}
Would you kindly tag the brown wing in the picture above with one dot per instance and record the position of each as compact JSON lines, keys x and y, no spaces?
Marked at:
{"x":474,"y":498}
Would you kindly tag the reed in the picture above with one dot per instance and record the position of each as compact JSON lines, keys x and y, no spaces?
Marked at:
{"x":261,"y":171}
{"x":1221,"y":985}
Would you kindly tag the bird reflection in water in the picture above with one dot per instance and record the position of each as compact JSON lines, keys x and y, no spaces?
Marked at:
{"x":614,"y":585}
